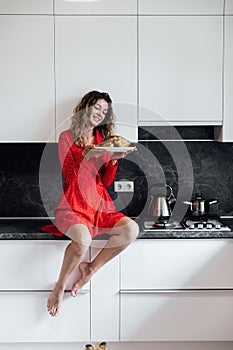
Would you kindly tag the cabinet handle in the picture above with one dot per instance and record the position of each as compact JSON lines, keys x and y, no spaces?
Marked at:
{"x":85,"y":291}
{"x":172,"y":291}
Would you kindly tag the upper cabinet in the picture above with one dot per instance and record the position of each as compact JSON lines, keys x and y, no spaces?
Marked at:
{"x":229,"y":7}
{"x":26,"y":7}
{"x":180,"y":7}
{"x":97,"y":7}
{"x":97,"y":53}
{"x":225,"y":132}
{"x":27,"y":78}
{"x":180,"y":69}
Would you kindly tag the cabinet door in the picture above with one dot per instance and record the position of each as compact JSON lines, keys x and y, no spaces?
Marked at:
{"x":190,"y":316}
{"x":105,"y":298}
{"x":33,"y":265}
{"x":177,"y":264}
{"x":229,"y":7}
{"x":180,"y":76}
{"x":180,"y":7}
{"x":26,"y":7}
{"x":97,"y":53}
{"x":24,"y":318}
{"x":101,"y":7}
{"x":27,"y":80}
{"x":226,"y":132}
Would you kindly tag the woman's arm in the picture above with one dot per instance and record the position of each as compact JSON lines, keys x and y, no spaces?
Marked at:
{"x":108,"y":172}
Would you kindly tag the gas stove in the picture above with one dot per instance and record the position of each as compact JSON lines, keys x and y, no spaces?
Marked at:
{"x":187,"y":224}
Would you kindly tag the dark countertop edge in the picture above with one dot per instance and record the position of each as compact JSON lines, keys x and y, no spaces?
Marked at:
{"x":39,"y":235}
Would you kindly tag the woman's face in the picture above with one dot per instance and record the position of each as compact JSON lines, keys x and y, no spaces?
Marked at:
{"x":98,"y":112}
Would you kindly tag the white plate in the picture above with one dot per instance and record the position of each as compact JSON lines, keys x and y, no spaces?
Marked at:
{"x":115,"y":149}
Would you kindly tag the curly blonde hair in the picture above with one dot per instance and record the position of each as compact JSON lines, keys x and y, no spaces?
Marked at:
{"x":81,"y":116}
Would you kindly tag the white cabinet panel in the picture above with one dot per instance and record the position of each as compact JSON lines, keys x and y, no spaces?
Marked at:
{"x":27,"y":78}
{"x":229,"y":7}
{"x":105,"y":298}
{"x":97,"y":53}
{"x":24,"y":318}
{"x":100,"y":7}
{"x":227,"y":130}
{"x":180,"y":7}
{"x":182,"y":264}
{"x":26,"y":7}
{"x":33,"y":265}
{"x":180,"y":76}
{"x":190,"y":316}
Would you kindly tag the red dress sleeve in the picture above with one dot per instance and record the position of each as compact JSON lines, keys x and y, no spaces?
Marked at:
{"x":108,"y":173}
{"x":66,"y":157}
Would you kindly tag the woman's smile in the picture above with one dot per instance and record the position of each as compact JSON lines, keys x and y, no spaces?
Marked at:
{"x":98,"y":113}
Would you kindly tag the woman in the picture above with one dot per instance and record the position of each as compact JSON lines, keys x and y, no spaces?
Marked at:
{"x":85,"y":209}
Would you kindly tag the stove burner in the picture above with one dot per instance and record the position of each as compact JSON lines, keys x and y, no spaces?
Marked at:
{"x":211,"y":224}
{"x":188,"y":224}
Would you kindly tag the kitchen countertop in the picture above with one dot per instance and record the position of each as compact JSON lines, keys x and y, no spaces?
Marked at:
{"x":29,"y":229}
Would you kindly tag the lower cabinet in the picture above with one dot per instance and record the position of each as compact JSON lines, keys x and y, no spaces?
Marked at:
{"x":24,"y":318}
{"x":156,"y":290}
{"x":29,"y":270}
{"x":177,"y":316}
{"x":177,"y":290}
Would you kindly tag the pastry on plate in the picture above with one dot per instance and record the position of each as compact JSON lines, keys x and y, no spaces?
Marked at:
{"x":115,"y":141}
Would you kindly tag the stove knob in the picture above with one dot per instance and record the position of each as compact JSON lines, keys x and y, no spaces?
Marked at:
{"x":217,"y":226}
{"x":209,"y":226}
{"x":191,"y":226}
{"x":200,"y":226}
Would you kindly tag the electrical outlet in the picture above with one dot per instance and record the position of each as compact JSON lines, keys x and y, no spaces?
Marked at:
{"x":123,"y":186}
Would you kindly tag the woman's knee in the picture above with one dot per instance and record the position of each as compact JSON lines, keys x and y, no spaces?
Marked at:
{"x":128,"y":229}
{"x":79,"y":234}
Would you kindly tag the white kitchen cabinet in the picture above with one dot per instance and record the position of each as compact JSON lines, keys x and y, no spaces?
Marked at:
{"x":24,"y":318}
{"x":97,"y":53}
{"x":177,"y":264}
{"x":27,"y":79}
{"x":100,"y":7}
{"x":180,"y":69}
{"x":229,"y":7}
{"x":29,"y":270}
{"x":180,"y":7}
{"x":180,"y":316}
{"x":174,"y":290}
{"x":26,"y":7}
{"x":225,"y":133}
{"x":33,"y":265}
{"x":105,"y":298}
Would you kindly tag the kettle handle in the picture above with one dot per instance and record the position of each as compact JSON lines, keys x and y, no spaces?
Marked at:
{"x":171,"y":198}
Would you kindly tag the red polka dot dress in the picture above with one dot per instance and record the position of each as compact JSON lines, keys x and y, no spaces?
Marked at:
{"x":84,"y":199}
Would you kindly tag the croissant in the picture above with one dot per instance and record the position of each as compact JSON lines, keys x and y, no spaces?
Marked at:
{"x":115,"y":141}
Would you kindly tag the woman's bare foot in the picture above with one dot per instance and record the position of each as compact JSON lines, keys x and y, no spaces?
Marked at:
{"x":54,"y":301}
{"x":85,"y":275}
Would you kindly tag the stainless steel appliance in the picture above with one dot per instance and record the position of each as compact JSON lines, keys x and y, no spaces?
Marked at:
{"x":200,"y":206}
{"x":160,"y":205}
{"x":187,"y":224}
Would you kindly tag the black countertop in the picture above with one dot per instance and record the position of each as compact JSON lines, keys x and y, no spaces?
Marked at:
{"x":29,"y":229}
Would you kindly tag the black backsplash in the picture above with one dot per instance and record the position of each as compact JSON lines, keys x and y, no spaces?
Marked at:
{"x":31,"y":181}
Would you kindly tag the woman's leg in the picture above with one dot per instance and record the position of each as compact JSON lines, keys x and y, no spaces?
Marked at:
{"x":121,"y":235}
{"x":74,"y":253}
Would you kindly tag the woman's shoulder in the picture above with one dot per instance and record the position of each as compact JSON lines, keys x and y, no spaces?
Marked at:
{"x":66,"y":135}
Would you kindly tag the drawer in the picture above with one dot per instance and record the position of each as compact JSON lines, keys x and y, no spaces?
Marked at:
{"x":177,"y":264}
{"x":32,"y":265}
{"x":177,"y":316}
{"x":24,"y":318}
